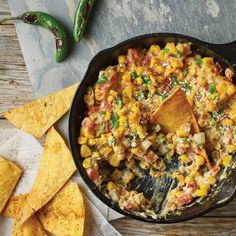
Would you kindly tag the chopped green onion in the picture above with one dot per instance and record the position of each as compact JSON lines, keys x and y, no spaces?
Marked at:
{"x":178,"y":54}
{"x":212,"y":122}
{"x":103,"y":79}
{"x":163,"y":97}
{"x":114,"y":121}
{"x":199,"y":61}
{"x":174,"y":82}
{"x":134,"y":75}
{"x":185,"y":72}
{"x":118,"y":102}
{"x":166,"y":50}
{"x":211,"y":89}
{"x":161,"y":139}
{"x":102,"y":112}
{"x":140,"y":96}
{"x":186,"y":87}
{"x":132,"y":135}
{"x":217,"y":113}
{"x":111,"y":141}
{"x":146,"y":80}
{"x":102,"y":127}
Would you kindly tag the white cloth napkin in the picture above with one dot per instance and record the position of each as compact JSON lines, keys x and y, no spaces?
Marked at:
{"x":25,"y":151}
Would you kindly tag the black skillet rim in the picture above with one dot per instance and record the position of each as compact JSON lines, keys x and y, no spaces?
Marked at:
{"x":84,"y":176}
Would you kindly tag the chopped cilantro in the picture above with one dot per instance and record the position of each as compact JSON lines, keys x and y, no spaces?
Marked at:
{"x":185,"y":72}
{"x":103,"y":79}
{"x":166,"y":50}
{"x":132,"y":135}
{"x":199,"y":61}
{"x":134,"y":75}
{"x":211,"y":89}
{"x":140,"y":96}
{"x":102,"y":127}
{"x":146,"y":80}
{"x":118,"y":102}
{"x":186,"y":87}
{"x":161,"y":139}
{"x":217,"y":113}
{"x":164,"y":96}
{"x":102,"y":112}
{"x":111,"y":141}
{"x":114,"y":121}
{"x":212,"y":121}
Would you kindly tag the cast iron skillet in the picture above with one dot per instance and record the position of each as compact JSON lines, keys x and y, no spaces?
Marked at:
{"x":225,"y":54}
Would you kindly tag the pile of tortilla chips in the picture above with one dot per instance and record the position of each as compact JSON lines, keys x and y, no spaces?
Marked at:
{"x":54,"y":204}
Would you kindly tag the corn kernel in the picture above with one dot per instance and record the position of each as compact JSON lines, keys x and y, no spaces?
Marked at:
{"x":136,"y":150}
{"x":114,"y":161}
{"x":122,"y":59}
{"x":168,"y":71}
{"x":85,"y":151}
{"x":181,"y":179}
{"x":130,"y":163}
{"x":116,"y":174}
{"x":105,"y":151}
{"x":139,"y":70}
{"x":191,"y":70}
{"x":201,"y":192}
{"x":179,"y":193}
{"x":122,"y":120}
{"x":221,"y":88}
{"x":111,"y":98}
{"x":227,"y":122}
{"x":86,"y":163}
{"x":188,"y":179}
{"x":175,"y":174}
{"x":199,"y":160}
{"x":87,"y":134}
{"x":91,"y":142}
{"x":227,"y":160}
{"x":201,"y":81}
{"x":144,"y":165}
{"x":139,"y":80}
{"x":82,"y":140}
{"x":231,"y":89}
{"x":211,"y":106}
{"x":110,"y":186}
{"x":128,"y":177}
{"x":171,"y":47}
{"x":113,"y":93}
{"x":232,"y":148}
{"x":154,"y":61}
{"x":211,"y":179}
{"x":207,"y":61}
{"x":95,"y":155}
{"x":108,"y":116}
{"x":127,"y":91}
{"x":176,"y":63}
{"x":159,"y":69}
{"x":194,"y":173}
{"x":184,"y":159}
{"x":126,"y":77}
{"x":155,"y":49}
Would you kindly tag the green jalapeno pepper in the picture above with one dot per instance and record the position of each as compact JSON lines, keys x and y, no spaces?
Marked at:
{"x":50,"y":23}
{"x":81,"y":18}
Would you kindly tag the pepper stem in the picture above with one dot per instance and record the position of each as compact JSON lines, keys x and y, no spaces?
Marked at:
{"x":10,"y":18}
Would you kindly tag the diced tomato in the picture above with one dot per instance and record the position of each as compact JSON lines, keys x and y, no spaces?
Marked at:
{"x":129,"y":207}
{"x":107,"y":127}
{"x":88,"y":124}
{"x":92,"y":173}
{"x":146,"y":61}
{"x":191,"y":185}
{"x":114,"y":77}
{"x":92,"y":109}
{"x":135,"y":56}
{"x":105,"y":105}
{"x":185,"y":199}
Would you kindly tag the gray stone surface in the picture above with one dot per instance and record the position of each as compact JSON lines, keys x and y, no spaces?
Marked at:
{"x":113,"y":21}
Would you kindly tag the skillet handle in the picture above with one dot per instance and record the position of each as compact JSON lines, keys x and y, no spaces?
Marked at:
{"x":227,"y":51}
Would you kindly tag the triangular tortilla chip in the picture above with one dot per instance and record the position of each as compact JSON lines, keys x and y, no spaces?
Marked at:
{"x":9,"y":176}
{"x":174,"y":112}
{"x":56,"y":167}
{"x":64,"y":214}
{"x":31,"y":227}
{"x":11,"y":209}
{"x":39,"y":115}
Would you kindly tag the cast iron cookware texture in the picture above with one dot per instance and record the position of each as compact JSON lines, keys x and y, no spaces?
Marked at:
{"x":225,"y":54}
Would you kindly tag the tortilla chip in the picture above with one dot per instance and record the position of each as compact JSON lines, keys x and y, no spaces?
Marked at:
{"x":9,"y":176}
{"x":64,"y":214}
{"x":56,"y":167}
{"x":31,"y":227}
{"x":39,"y":115}
{"x":174,"y":112}
{"x":11,"y":209}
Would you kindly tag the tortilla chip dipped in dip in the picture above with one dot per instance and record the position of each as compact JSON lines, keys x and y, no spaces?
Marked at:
{"x":64,"y":214}
{"x":174,"y":112}
{"x":56,"y":167}
{"x":9,"y":176}
{"x":39,"y":115}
